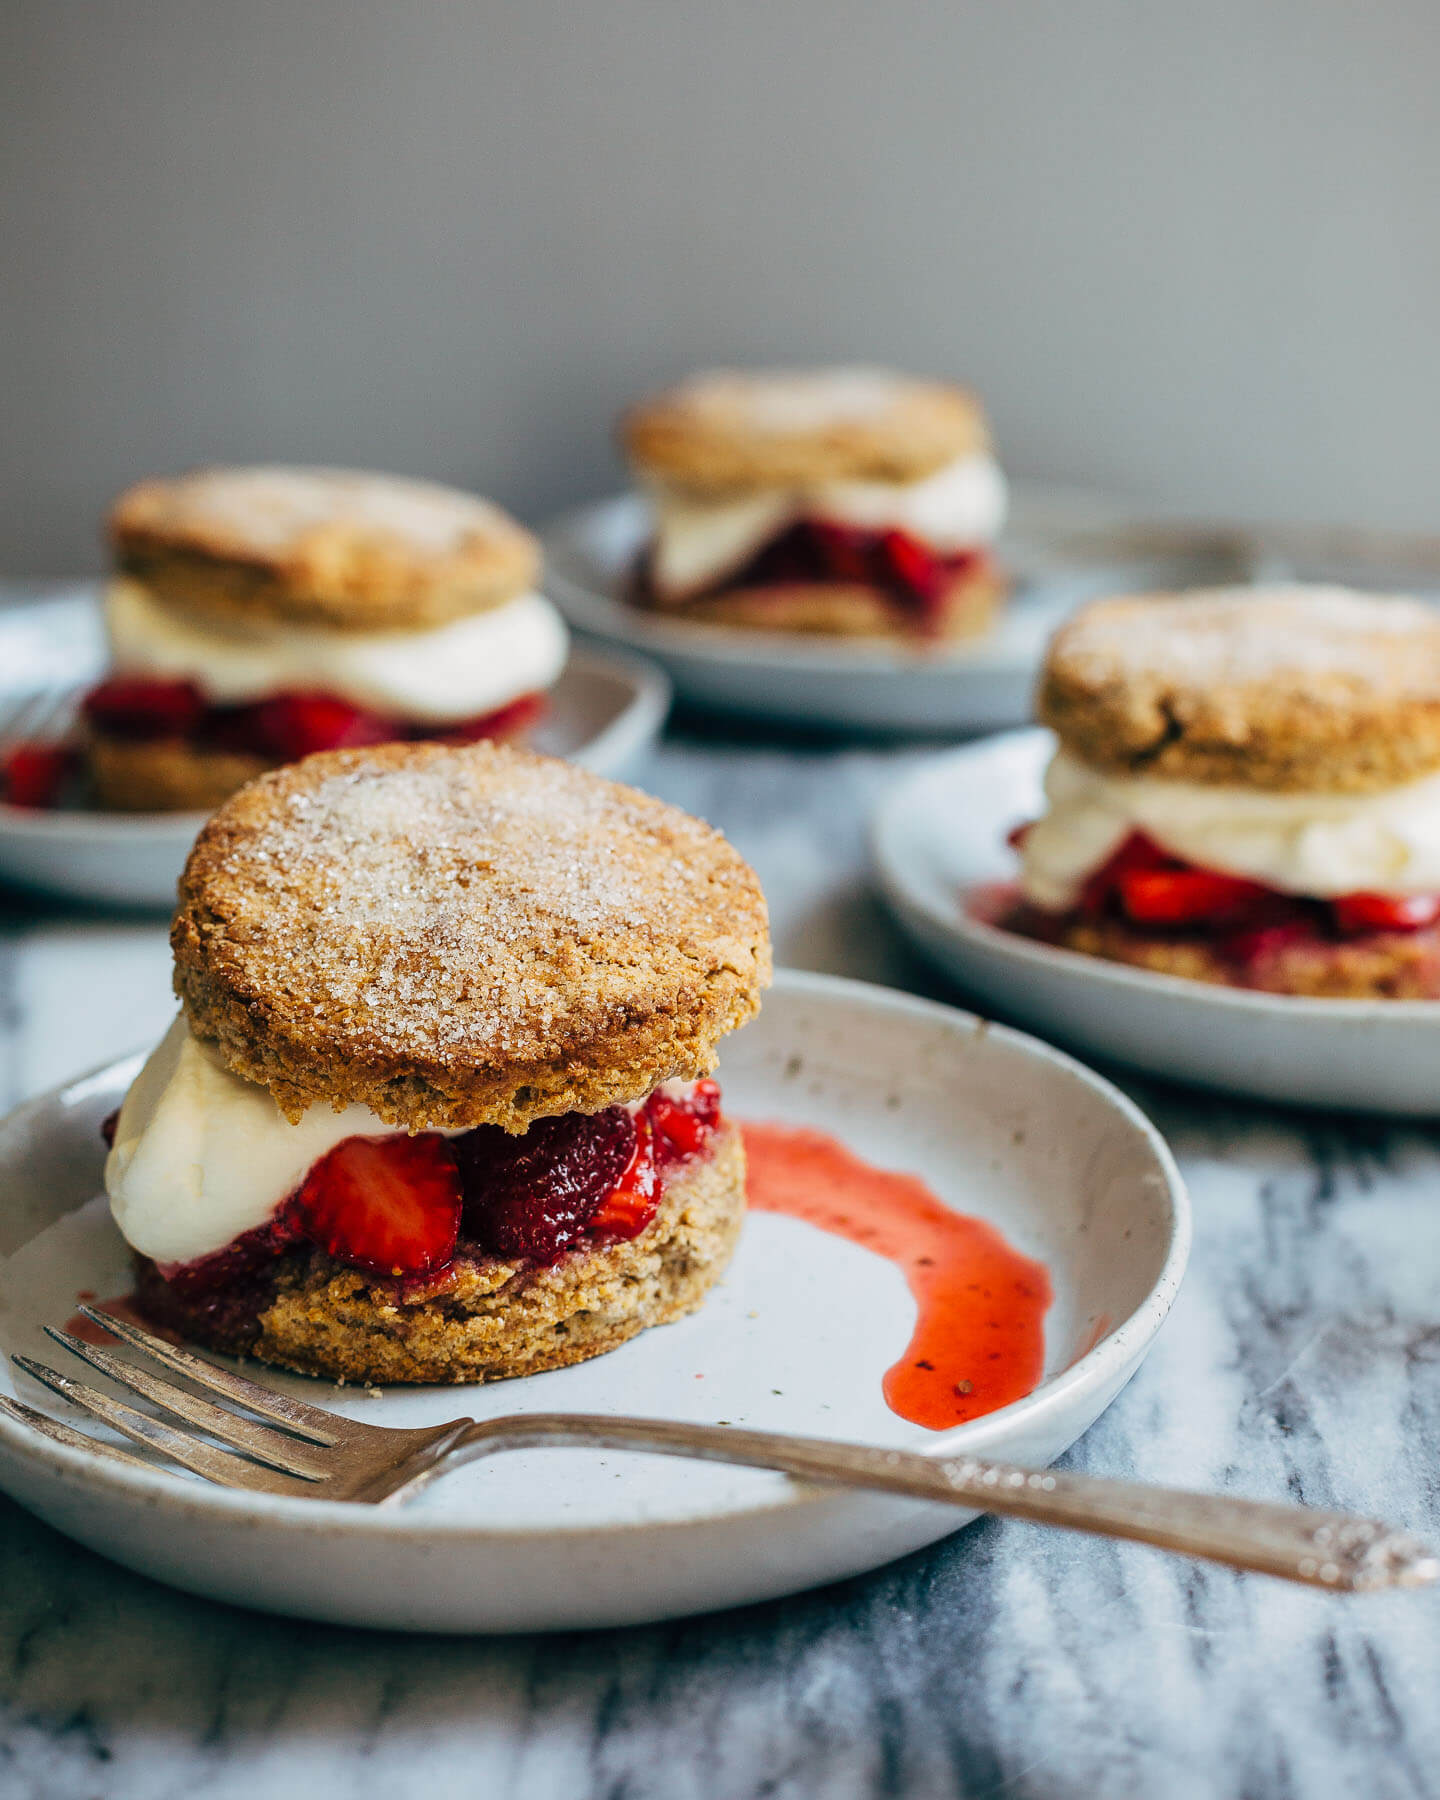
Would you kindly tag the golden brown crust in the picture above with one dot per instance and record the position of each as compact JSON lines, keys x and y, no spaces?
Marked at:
{"x":1306,"y":689}
{"x":336,"y":548}
{"x":458,"y":937}
{"x":165,"y":776}
{"x":967,"y":608}
{"x":728,"y":431}
{"x":1387,"y":966}
{"x":495,"y":1320}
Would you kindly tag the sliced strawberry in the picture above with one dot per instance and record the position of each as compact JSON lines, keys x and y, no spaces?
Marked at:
{"x":532,"y":1196}
{"x":911,"y":566}
{"x":1385,"y":912}
{"x":390,"y":1205}
{"x":630,"y":1205}
{"x":133,"y":706}
{"x":508,"y":721}
{"x":294,"y":725}
{"x":684,"y":1127}
{"x":1187,"y":896}
{"x":36,"y":774}
{"x":1135,"y":852}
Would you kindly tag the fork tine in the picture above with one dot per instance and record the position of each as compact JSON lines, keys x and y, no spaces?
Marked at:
{"x":67,"y":1434}
{"x":16,"y":717}
{"x":44,"y":713}
{"x":294,"y":1415}
{"x":201,"y":1459}
{"x":241,"y":1434}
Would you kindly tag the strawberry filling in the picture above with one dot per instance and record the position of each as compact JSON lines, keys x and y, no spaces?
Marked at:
{"x":405,"y":1207}
{"x":533,"y":1197}
{"x":904,"y":568}
{"x":37,"y":775}
{"x":282,"y":728}
{"x":1145,"y":886}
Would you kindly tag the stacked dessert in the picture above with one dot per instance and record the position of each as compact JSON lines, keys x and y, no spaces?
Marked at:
{"x":847,"y":501}
{"x":1246,"y":790}
{"x":259,"y":615}
{"x":437,"y":1106}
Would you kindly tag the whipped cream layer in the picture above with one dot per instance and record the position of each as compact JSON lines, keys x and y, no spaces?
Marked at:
{"x":459,"y":670}
{"x":1314,"y":844}
{"x":699,"y":541}
{"x":202,"y":1155}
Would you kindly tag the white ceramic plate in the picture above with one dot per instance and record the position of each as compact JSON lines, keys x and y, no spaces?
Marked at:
{"x":971,"y":687}
{"x":940,"y":835}
{"x":796,"y":1338}
{"x":605,"y":711}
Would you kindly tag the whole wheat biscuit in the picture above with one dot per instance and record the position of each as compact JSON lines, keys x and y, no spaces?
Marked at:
{"x":457,"y":937}
{"x":489,"y":1319}
{"x":728,"y":431}
{"x":1306,"y":689}
{"x":329,"y":547}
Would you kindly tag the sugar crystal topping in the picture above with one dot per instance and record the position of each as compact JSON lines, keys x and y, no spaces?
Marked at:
{"x":796,"y":400}
{"x":1242,"y":636}
{"x":274,"y":507}
{"x":439,"y":904}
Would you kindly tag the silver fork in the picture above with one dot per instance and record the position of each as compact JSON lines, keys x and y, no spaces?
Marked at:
{"x":43,"y":715}
{"x":305,"y":1452}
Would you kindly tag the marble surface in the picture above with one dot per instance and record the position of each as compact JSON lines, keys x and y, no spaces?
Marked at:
{"x":1303,"y":1358}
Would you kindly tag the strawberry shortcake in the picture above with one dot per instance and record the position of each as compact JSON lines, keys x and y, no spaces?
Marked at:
{"x":438,"y":1106}
{"x":852,"y":502}
{"x":258,"y":615}
{"x":1246,"y":790}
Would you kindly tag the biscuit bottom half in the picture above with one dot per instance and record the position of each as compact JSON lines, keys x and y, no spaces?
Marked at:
{"x":1384,"y":965}
{"x":485,"y":1319}
{"x":179,"y":775}
{"x":967,"y":607}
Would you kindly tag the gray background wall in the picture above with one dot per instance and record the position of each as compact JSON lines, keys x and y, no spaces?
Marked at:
{"x":1189,"y":252}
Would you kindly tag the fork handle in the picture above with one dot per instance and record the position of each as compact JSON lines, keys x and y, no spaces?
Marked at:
{"x":1323,"y":1549}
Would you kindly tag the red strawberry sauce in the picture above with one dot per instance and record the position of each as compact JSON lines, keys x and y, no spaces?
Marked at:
{"x":979,"y":1339}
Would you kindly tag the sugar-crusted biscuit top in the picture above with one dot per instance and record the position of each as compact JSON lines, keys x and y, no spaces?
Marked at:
{"x":336,"y":547}
{"x":1310,"y":689}
{"x":729,"y":431}
{"x":456,"y":937}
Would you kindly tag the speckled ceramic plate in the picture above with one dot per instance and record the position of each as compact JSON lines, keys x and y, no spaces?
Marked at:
{"x":939,"y":840}
{"x":796,"y":1338}
{"x":605,"y":711}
